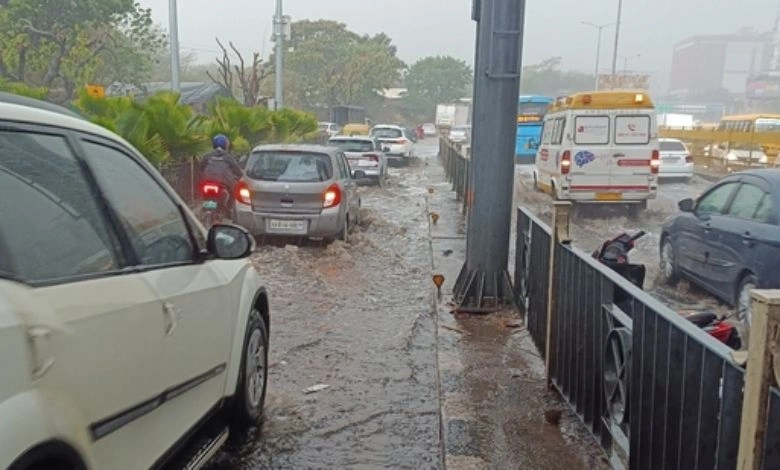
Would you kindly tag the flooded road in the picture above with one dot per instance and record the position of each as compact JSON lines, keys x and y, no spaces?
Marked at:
{"x":353,"y":321}
{"x":590,"y":228}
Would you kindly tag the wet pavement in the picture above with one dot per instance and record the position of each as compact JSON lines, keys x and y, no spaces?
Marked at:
{"x":590,"y":228}
{"x":399,"y":382}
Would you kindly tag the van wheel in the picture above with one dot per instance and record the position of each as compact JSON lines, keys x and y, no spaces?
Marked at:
{"x":634,"y":210}
{"x":247,"y":405}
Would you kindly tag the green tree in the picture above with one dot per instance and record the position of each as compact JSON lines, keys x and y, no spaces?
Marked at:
{"x":329,"y":65}
{"x":547,"y":78}
{"x":439,"y":79}
{"x":44,"y":43}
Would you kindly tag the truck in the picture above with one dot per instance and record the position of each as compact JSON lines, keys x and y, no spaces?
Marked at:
{"x":462,"y":114}
{"x":445,"y":117}
{"x":675,"y":121}
{"x":343,"y":115}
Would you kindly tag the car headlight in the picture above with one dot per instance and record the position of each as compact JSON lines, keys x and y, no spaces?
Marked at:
{"x":731,"y":157}
{"x":763,"y":159}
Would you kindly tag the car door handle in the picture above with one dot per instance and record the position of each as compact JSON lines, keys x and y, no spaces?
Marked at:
{"x":619,"y":155}
{"x":39,"y":341}
{"x":171,"y":317}
{"x":748,"y":239}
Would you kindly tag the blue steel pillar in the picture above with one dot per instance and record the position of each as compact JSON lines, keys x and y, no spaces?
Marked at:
{"x":484,"y":284}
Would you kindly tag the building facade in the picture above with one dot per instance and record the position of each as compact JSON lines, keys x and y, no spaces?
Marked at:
{"x":718,"y":67}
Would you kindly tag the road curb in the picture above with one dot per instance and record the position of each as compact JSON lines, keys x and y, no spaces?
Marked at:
{"x":460,"y":446}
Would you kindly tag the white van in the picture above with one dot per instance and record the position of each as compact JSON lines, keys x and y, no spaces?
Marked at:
{"x":600,"y":147}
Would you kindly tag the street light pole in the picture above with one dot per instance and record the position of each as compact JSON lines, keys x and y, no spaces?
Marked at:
{"x":174,"y":33}
{"x":279,"y":36}
{"x":626,"y":58}
{"x":617,"y":40}
{"x":600,"y":28}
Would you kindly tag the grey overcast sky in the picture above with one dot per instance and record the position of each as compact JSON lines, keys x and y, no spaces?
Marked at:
{"x":429,"y":27}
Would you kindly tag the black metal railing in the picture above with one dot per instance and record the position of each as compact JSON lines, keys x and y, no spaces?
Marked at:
{"x":457,"y":165}
{"x":656,"y":391}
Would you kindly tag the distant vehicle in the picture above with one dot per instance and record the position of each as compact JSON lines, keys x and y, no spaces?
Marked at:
{"x":445,"y":117}
{"x":298,"y":190}
{"x":132,"y":336}
{"x":738,"y":154}
{"x":726,"y":241}
{"x":600,"y":148}
{"x":676,"y":121}
{"x":328,"y":129}
{"x":531,"y":110}
{"x":398,"y":144}
{"x":676,"y":160}
{"x":356,"y":129}
{"x":429,"y":129}
{"x":343,"y":115}
{"x":460,"y":134}
{"x":365,"y":156}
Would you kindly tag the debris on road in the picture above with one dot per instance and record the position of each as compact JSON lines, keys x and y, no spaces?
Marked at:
{"x":457,"y":330}
{"x":315,"y":388}
{"x":553,"y":416}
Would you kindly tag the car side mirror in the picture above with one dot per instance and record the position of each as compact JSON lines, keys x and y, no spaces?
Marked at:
{"x":686,"y":205}
{"x":227,"y":241}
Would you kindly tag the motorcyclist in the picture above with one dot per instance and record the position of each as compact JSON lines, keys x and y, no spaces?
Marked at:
{"x":221,"y":166}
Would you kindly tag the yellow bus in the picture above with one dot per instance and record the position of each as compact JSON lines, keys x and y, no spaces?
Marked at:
{"x":750,"y":123}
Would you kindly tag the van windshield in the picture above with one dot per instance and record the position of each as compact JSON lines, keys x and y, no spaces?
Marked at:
{"x":290,"y":167}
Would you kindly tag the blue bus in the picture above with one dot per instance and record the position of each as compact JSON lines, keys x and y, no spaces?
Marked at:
{"x":530,"y":114}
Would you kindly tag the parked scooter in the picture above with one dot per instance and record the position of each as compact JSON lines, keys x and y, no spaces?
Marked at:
{"x":614,"y":254}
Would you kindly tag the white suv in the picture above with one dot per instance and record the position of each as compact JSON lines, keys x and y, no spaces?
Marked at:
{"x":129,"y":336}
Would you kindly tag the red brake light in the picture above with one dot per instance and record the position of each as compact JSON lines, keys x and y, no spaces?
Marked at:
{"x":688,"y":159}
{"x":372,"y":156}
{"x":332,"y":196}
{"x":243,"y":194}
{"x":209,"y":189}
{"x":402,"y":141}
{"x":566,"y":163}
{"x":655,"y":162}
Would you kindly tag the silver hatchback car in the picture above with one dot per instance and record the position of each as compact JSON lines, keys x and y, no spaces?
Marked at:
{"x":299,"y":191}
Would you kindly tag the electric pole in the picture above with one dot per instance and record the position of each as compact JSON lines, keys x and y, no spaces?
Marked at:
{"x":483,"y":284}
{"x":174,"y":33}
{"x":279,"y":33}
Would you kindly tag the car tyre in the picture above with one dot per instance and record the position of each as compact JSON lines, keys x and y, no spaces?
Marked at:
{"x":248,"y":403}
{"x":344,"y":235}
{"x":743,"y":301}
{"x":668,"y":262}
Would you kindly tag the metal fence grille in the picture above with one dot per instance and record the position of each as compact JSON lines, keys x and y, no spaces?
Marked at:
{"x":656,"y":391}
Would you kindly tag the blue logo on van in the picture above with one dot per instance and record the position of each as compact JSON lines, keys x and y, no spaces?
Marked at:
{"x":583,"y":158}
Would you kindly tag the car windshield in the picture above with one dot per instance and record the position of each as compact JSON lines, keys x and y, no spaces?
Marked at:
{"x":290,"y":166}
{"x":387,"y":133}
{"x":671,"y":146}
{"x":352,"y":145}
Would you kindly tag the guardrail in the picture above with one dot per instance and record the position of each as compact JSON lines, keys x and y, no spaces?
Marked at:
{"x":699,"y":140}
{"x":654,"y":390}
{"x":457,"y":166}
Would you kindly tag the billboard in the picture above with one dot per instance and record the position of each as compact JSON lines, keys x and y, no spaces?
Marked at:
{"x":624,"y":82}
{"x":763,"y":88}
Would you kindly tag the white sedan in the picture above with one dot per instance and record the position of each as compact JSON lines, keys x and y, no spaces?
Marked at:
{"x":397,"y":144}
{"x":676,"y":160}
{"x":131,"y":337}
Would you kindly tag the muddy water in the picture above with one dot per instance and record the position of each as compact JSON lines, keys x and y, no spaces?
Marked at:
{"x":590,"y":228}
{"x":356,"y":319}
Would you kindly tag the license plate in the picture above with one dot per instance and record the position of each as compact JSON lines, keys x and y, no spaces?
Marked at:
{"x":210,"y":205}
{"x":366,"y":163}
{"x":670,"y":159}
{"x":609,"y":196}
{"x":286,"y":225}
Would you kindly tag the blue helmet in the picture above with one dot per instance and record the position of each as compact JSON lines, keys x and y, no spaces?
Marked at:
{"x":220,"y":141}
